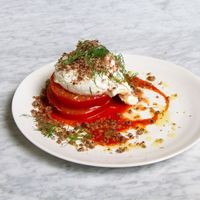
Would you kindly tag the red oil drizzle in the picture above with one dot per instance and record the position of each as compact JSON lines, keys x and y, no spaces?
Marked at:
{"x":110,"y":119}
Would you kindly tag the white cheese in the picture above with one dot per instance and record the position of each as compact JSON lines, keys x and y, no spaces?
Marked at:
{"x":99,"y":85}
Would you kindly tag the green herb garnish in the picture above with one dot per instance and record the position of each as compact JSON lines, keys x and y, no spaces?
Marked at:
{"x":88,"y":136}
{"x":50,"y":131}
{"x":46,"y":128}
{"x":132,"y":74}
{"x":90,"y":51}
{"x":74,"y":57}
{"x":93,"y":52}
{"x":98,"y":52}
{"x":116,"y":79}
{"x":90,"y":90}
{"x":120,"y":60}
{"x":73,"y":138}
{"x":79,"y":134}
{"x":25,"y":115}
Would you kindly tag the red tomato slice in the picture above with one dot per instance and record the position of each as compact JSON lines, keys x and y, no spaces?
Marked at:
{"x":71,"y":112}
{"x":70,"y":99}
{"x":110,"y":112}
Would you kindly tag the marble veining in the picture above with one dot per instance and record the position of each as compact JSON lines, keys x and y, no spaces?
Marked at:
{"x":33,"y":33}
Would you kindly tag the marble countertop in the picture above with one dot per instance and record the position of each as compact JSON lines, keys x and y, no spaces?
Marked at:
{"x":33,"y":33}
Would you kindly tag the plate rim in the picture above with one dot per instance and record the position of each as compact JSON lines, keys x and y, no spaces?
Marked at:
{"x":96,"y":164}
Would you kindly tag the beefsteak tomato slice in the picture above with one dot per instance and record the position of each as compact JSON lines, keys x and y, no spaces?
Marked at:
{"x":74,"y":112}
{"x":75,"y":100}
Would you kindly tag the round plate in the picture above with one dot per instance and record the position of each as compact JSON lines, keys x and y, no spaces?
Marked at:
{"x":184,"y":111}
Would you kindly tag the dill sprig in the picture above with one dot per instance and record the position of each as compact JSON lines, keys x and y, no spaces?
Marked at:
{"x":120,"y":61}
{"x":50,"y":131}
{"x":92,"y":50}
{"x":99,"y":51}
{"x":88,"y":53}
{"x":72,"y":58}
{"x":79,"y":133}
{"x":90,"y":90}
{"x":132,"y":73}
{"x":47,"y":129}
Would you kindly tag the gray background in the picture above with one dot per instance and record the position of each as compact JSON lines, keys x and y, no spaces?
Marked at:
{"x":33,"y":33}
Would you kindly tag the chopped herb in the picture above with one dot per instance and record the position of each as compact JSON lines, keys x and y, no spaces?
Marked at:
{"x":116,"y":79}
{"x":50,"y":131}
{"x":94,"y":75}
{"x":120,"y":60}
{"x":90,"y":51}
{"x":73,"y":138}
{"x":78,"y":134}
{"x":90,"y":90}
{"x":98,"y":52}
{"x":132,"y":74}
{"x":94,"y":52}
{"x":88,"y":136}
{"x":25,"y":115}
{"x":74,"y":57}
{"x":102,"y":72}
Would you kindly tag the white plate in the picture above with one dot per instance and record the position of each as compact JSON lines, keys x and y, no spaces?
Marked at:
{"x":181,"y":81}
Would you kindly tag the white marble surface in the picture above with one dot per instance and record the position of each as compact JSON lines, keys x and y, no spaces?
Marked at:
{"x":33,"y":33}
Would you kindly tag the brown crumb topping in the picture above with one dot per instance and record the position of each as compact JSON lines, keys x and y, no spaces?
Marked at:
{"x":89,"y":59}
{"x":121,"y":149}
{"x":151,"y":78}
{"x":56,"y":130}
{"x":140,"y":131}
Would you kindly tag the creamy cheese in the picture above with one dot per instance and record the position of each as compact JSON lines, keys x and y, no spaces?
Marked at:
{"x":97,"y":86}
